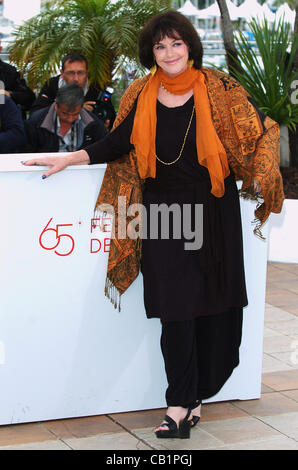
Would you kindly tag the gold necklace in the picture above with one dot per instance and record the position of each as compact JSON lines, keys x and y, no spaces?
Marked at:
{"x":182,"y":148}
{"x":164,"y":88}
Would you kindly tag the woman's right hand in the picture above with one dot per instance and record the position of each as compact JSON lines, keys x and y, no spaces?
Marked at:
{"x":80,"y":157}
{"x":55,"y":164}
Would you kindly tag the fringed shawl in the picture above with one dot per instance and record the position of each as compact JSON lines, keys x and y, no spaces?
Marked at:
{"x":253,"y":150}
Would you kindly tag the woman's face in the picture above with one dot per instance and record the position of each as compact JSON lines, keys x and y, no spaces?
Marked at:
{"x":171,"y":55}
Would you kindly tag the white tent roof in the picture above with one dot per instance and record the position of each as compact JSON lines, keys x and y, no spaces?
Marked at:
{"x":213,"y":11}
{"x":233,"y":10}
{"x":253,"y":9}
{"x":249,"y":8}
{"x":269,"y":15}
{"x":188,"y":9}
{"x":289,"y":15}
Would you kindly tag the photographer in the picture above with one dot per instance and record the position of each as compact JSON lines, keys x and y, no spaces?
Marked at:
{"x":15,"y":86}
{"x":74,"y":69}
{"x":65,"y":125}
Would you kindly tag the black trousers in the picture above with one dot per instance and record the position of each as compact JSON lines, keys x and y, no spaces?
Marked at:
{"x":200,"y":355}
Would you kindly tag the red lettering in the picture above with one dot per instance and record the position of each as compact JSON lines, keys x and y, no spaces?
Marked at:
{"x":107,"y":244}
{"x":93,"y":224}
{"x":91,"y":246}
{"x":106,"y":225}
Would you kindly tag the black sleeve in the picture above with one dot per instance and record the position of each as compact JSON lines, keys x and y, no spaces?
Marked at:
{"x":31,"y":145}
{"x":115,"y":144}
{"x":46,"y":95}
{"x":12,"y":135}
{"x":21,"y":93}
{"x":39,"y":103}
{"x":93,"y":132}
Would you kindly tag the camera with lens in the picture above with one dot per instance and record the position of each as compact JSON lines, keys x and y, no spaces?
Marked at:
{"x":103,"y":108}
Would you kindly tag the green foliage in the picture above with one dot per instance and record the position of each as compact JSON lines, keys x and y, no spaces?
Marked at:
{"x":104,"y":32}
{"x":269,"y":80}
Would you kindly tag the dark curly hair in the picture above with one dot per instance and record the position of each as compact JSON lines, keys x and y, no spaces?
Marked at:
{"x":174,"y":25}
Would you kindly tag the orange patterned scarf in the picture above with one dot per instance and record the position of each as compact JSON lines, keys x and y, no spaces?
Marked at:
{"x":252,"y":150}
{"x":210,"y":150}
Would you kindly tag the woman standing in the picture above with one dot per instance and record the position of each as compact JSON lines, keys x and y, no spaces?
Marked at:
{"x":181,"y":136}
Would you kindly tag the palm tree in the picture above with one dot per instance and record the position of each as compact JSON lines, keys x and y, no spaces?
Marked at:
{"x":269,"y":81}
{"x":102,"y":30}
{"x":228,"y":38}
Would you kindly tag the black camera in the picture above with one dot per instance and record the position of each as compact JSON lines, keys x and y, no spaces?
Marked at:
{"x":103,"y":108}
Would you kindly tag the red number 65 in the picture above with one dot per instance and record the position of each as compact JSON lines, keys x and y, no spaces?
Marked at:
{"x":65,"y":235}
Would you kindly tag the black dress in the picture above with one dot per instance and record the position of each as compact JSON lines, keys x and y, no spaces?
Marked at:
{"x":204,"y":288}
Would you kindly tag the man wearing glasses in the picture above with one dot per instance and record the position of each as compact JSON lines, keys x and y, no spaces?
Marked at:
{"x":74,"y":69}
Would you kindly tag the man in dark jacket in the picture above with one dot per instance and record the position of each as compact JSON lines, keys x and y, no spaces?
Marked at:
{"x":74,"y":69}
{"x":64,"y":126}
{"x":12,"y":134}
{"x":15,"y":86}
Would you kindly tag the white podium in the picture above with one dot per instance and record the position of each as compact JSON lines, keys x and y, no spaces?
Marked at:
{"x":64,"y":350}
{"x":283,"y":232}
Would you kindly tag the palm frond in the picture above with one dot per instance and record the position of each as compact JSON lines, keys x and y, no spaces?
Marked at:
{"x":267,"y":73}
{"x":98,"y":29}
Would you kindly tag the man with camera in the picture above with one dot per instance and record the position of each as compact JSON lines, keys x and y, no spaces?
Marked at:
{"x":74,"y":69}
{"x":14,"y":86}
{"x":65,"y":125}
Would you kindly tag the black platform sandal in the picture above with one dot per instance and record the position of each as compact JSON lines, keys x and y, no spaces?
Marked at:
{"x":181,"y":432}
{"x":195,"y":419}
